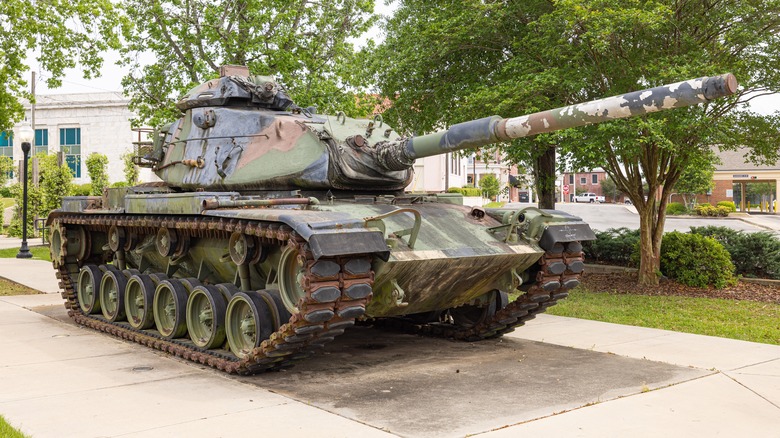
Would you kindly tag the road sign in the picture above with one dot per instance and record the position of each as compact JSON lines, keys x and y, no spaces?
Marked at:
{"x":565,"y":189}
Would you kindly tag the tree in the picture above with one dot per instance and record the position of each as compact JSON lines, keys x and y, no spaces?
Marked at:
{"x":489,"y":185}
{"x":305,"y":44}
{"x":6,"y":167}
{"x":130,"y":169}
{"x":696,"y":179}
{"x":519,"y":57}
{"x":97,"y":168}
{"x":609,"y":188}
{"x":61,"y":34}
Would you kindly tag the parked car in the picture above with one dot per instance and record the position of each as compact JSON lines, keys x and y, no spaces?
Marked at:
{"x":588,"y":197}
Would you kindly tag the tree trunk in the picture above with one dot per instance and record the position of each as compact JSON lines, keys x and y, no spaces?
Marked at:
{"x":650,"y":236}
{"x":545,"y":179}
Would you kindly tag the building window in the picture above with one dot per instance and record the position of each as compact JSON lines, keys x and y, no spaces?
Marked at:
{"x":571,"y":179}
{"x":7,"y":149}
{"x":594,"y":178}
{"x":70,"y":145}
{"x":41,"y":141}
{"x":583,"y":180}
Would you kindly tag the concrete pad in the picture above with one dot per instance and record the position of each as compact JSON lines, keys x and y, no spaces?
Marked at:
{"x":707,"y":352}
{"x":414,"y":386}
{"x":706,"y":407}
{"x":35,"y":274}
{"x":763,"y":379}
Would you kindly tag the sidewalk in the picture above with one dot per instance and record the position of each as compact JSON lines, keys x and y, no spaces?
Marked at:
{"x":553,"y":377}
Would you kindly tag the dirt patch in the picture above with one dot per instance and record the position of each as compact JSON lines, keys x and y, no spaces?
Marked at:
{"x":627,"y":283}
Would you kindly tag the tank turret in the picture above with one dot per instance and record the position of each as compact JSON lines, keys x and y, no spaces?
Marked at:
{"x":243,"y":132}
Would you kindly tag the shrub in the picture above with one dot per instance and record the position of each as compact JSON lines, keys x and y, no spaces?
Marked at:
{"x":753,"y":254}
{"x":695,"y":260}
{"x":728,"y":204}
{"x":120,"y":184}
{"x":465,"y":191}
{"x":616,"y":245}
{"x":757,"y":255}
{"x":710,"y":210}
{"x":5,"y":192}
{"x":97,"y":168}
{"x":675,"y":208}
{"x":81,"y":190}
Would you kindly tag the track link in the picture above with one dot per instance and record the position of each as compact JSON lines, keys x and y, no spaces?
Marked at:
{"x":557,"y":272}
{"x":316,"y":323}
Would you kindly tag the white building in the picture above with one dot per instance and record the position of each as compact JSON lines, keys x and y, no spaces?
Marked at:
{"x":78,"y":125}
{"x":435,"y":174}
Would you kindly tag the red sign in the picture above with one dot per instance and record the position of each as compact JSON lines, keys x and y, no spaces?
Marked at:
{"x":565,"y":189}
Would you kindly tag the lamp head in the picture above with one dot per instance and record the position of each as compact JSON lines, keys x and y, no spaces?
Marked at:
{"x":26,"y":135}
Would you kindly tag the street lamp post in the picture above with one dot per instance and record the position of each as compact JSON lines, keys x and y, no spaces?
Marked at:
{"x":26,"y":135}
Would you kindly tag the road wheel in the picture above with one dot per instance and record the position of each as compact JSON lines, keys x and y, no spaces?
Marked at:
{"x":206,"y":309}
{"x":170,"y":303}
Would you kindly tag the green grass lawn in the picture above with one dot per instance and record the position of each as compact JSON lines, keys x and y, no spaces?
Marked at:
{"x":744,"y":320}
{"x":7,"y":202}
{"x":38,"y":253}
{"x":9,"y":288}
{"x":7,"y":431}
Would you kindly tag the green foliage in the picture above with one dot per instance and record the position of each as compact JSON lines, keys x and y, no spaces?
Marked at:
{"x":5,"y":192}
{"x":697,"y":177}
{"x":120,"y":184}
{"x":695,"y":260}
{"x":60,"y":34}
{"x":745,"y":320}
{"x":8,"y":431}
{"x":489,"y":185}
{"x":6,"y":167}
{"x":130,"y":169}
{"x":753,"y":254}
{"x":728,"y":204}
{"x":710,"y":210}
{"x":614,"y":246}
{"x":676,"y":208}
{"x":609,"y":188}
{"x":97,"y":168}
{"x":81,"y":190}
{"x":38,"y":253}
{"x":307,"y":45}
{"x":465,"y":191}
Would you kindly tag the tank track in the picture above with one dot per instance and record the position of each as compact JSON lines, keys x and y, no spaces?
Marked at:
{"x":307,"y":331}
{"x":552,"y":283}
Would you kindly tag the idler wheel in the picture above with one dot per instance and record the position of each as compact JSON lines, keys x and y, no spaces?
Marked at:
{"x":468,"y":316}
{"x":112,"y":293}
{"x":88,"y":287}
{"x":249,"y":321}
{"x":139,"y":296}
{"x":170,"y":303}
{"x":291,"y":274}
{"x":206,"y":309}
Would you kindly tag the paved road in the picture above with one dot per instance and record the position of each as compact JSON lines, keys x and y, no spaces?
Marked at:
{"x":604,"y":216}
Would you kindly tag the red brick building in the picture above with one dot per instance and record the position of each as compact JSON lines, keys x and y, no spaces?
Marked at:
{"x":582,"y":182}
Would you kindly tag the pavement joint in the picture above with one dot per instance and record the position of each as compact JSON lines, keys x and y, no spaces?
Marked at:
{"x":761,"y":396}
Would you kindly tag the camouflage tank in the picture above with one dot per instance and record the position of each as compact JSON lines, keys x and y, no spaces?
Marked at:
{"x":276,"y":228}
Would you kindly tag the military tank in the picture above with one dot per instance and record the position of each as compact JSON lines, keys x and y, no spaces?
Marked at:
{"x":275,"y":228}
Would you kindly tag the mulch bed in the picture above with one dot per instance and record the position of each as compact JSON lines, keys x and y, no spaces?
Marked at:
{"x":627,"y":283}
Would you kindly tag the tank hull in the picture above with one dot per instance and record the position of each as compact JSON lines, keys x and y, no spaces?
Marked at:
{"x":323,"y":265}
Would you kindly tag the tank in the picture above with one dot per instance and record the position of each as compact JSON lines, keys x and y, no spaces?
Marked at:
{"x":275,"y":228}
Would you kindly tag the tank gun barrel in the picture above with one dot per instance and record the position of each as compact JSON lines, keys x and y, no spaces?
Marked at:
{"x":401,"y":154}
